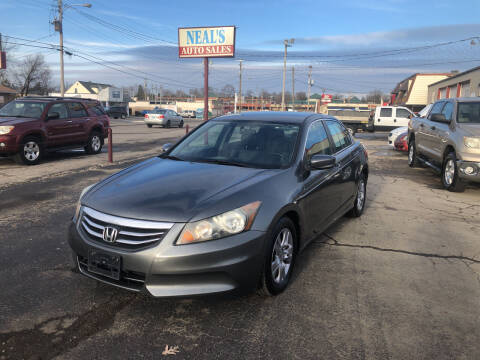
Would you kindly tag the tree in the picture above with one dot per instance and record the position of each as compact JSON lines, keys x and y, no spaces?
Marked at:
{"x":228,"y":91}
{"x":301,"y":95}
{"x":33,"y":72}
{"x":376,"y":96}
{"x":140,"y":93}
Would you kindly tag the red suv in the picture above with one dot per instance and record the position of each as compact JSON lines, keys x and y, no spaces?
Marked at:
{"x":30,"y":126}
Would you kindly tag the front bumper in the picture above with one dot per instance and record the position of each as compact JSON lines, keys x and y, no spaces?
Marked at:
{"x":469,"y":170}
{"x":167,"y":270}
{"x":8,"y":144}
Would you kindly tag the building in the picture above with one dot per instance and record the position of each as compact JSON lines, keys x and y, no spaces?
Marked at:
{"x":464,"y":84}
{"x":412,"y":92}
{"x":6,"y":94}
{"x":107,"y":94}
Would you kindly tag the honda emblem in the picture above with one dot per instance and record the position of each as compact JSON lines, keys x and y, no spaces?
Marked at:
{"x":110,"y":234}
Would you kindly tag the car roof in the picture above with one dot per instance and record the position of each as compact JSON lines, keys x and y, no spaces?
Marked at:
{"x":54,"y":98}
{"x":462,"y":99}
{"x":274,"y":116}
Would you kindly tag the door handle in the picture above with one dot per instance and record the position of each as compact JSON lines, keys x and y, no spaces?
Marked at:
{"x":378,"y":120}
{"x":394,"y":120}
{"x":69,"y":121}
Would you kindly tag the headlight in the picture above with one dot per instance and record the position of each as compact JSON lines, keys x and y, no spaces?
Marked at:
{"x":216,"y":227}
{"x":5,"y":129}
{"x":472,"y":142}
{"x":79,"y":202}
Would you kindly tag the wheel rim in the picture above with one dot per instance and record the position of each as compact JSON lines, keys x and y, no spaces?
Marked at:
{"x":360,"y":194}
{"x":449,"y":172}
{"x":31,"y":151}
{"x":96,"y":143}
{"x":282,"y":255}
{"x":410,"y":153}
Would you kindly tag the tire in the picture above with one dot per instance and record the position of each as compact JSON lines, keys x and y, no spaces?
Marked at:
{"x":272,"y":281}
{"x":450,"y":178}
{"x":149,"y":125}
{"x":412,"y":154}
{"x":123,"y":116}
{"x":31,"y":151}
{"x":180,"y":125}
{"x":94,"y":144}
{"x":360,"y":199}
{"x":168,"y":124}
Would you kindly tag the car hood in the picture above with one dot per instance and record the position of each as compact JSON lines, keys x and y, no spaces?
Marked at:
{"x":14,"y":120}
{"x":165,"y":190}
{"x":471,"y":129}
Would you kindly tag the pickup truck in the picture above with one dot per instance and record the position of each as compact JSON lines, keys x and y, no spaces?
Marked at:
{"x":386,"y":118}
{"x":31,"y":126}
{"x":448,"y":140}
{"x":352,"y":119}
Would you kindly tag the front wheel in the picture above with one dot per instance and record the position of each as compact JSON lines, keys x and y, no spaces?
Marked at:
{"x":149,"y":125}
{"x":94,"y":144}
{"x":31,"y":151}
{"x":412,"y":154}
{"x":168,"y":124}
{"x":123,"y":116}
{"x":450,"y":178}
{"x":279,"y":258}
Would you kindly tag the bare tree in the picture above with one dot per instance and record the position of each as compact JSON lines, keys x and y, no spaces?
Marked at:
{"x":33,"y":74}
{"x":376,"y":96}
{"x":228,"y":91}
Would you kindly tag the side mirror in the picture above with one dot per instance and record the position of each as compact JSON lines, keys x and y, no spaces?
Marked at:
{"x":321,"y":162}
{"x":439,"y":118}
{"x":166,"y":147}
{"x":53,"y":115}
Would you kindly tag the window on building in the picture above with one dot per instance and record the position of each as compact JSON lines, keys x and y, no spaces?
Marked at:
{"x":465,"y":89}
{"x":116,"y":94}
{"x":386,"y":112}
{"x":443,"y":93}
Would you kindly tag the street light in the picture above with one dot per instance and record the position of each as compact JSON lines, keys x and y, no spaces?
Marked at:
{"x":59,"y":27}
{"x":287,"y":44}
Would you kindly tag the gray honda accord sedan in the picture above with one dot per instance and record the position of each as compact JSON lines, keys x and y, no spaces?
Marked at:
{"x":230,"y":206}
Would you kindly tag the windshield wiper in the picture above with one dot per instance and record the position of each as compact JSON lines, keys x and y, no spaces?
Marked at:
{"x":222,"y":162}
{"x":171,"y":157}
{"x":19,"y":116}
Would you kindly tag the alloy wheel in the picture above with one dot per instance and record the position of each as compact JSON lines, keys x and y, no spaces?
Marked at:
{"x":360,"y":194}
{"x":410,"y":154}
{"x":31,"y":151}
{"x":449,"y":172}
{"x":282,"y":256}
{"x":96,"y":143}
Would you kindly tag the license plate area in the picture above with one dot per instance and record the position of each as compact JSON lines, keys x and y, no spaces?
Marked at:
{"x":104,"y":264}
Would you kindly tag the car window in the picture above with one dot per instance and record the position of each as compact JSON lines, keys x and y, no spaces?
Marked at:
{"x":436,"y":108}
{"x":76,"y":110}
{"x":403,"y":113}
{"x":59,"y":108}
{"x":317,"y":140}
{"x":448,"y":111}
{"x":386,"y":112}
{"x":341,"y":137}
{"x":468,"y":112}
{"x":96,"y":108}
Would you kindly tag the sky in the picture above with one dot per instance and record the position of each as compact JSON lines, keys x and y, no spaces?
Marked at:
{"x":353,"y":46}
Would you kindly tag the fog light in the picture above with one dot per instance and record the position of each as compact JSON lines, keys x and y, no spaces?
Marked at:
{"x":469,"y":170}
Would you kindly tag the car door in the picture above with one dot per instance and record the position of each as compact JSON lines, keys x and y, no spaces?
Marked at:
{"x":79,"y":118}
{"x":59,"y":129}
{"x":318,"y":201}
{"x":344,"y":185}
{"x":425,"y":139}
{"x":440,"y":132}
{"x":401,"y":117}
{"x":384,"y":118}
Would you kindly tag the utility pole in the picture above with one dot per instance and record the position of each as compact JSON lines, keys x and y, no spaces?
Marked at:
{"x":293,"y":88}
{"x":59,"y":27}
{"x":240,"y":88}
{"x":309,"y":86}
{"x":145,"y":93}
{"x":287,"y":43}
{"x":205,"y":89}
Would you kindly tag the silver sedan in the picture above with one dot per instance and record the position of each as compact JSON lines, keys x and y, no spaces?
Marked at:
{"x":163,"y":117}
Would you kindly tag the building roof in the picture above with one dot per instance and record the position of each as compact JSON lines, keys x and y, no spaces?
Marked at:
{"x":90,"y":85}
{"x":457,"y":75}
{"x":403,"y":85}
{"x":7,"y":90}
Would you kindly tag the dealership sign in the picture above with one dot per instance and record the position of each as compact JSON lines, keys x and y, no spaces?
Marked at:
{"x":214,"y":41}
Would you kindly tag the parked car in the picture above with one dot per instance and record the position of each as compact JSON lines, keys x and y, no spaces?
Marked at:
{"x":229,"y":206}
{"x":31,"y":126}
{"x":392,"y":136}
{"x":188,"y":113}
{"x":448,"y":140}
{"x":117,"y":112}
{"x":386,"y":118}
{"x":401,"y":142}
{"x":163,"y":117}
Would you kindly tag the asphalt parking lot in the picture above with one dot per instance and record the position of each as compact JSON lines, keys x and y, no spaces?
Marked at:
{"x":401,"y":282}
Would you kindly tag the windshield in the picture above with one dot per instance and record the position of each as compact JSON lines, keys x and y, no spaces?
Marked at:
{"x":468,"y":112}
{"x":23,"y":109}
{"x":251,"y":144}
{"x":424,"y":111}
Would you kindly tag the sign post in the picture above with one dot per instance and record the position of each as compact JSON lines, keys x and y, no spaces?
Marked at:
{"x":206,"y":42}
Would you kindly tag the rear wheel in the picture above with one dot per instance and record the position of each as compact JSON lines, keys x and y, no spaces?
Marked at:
{"x":149,"y":125}
{"x":450,"y":178}
{"x":180,"y":125}
{"x":359,"y":203}
{"x":123,"y":116}
{"x":279,"y":258}
{"x":94,"y":144}
{"x":31,"y":151}
{"x":168,"y":124}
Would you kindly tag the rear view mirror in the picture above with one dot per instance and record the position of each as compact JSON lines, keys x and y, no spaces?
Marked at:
{"x":166,"y":147}
{"x":53,"y":115}
{"x":439,"y":118}
{"x":321,"y":162}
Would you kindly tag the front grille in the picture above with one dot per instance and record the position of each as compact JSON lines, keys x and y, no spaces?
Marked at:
{"x":131,"y":280}
{"x":129,"y":233}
